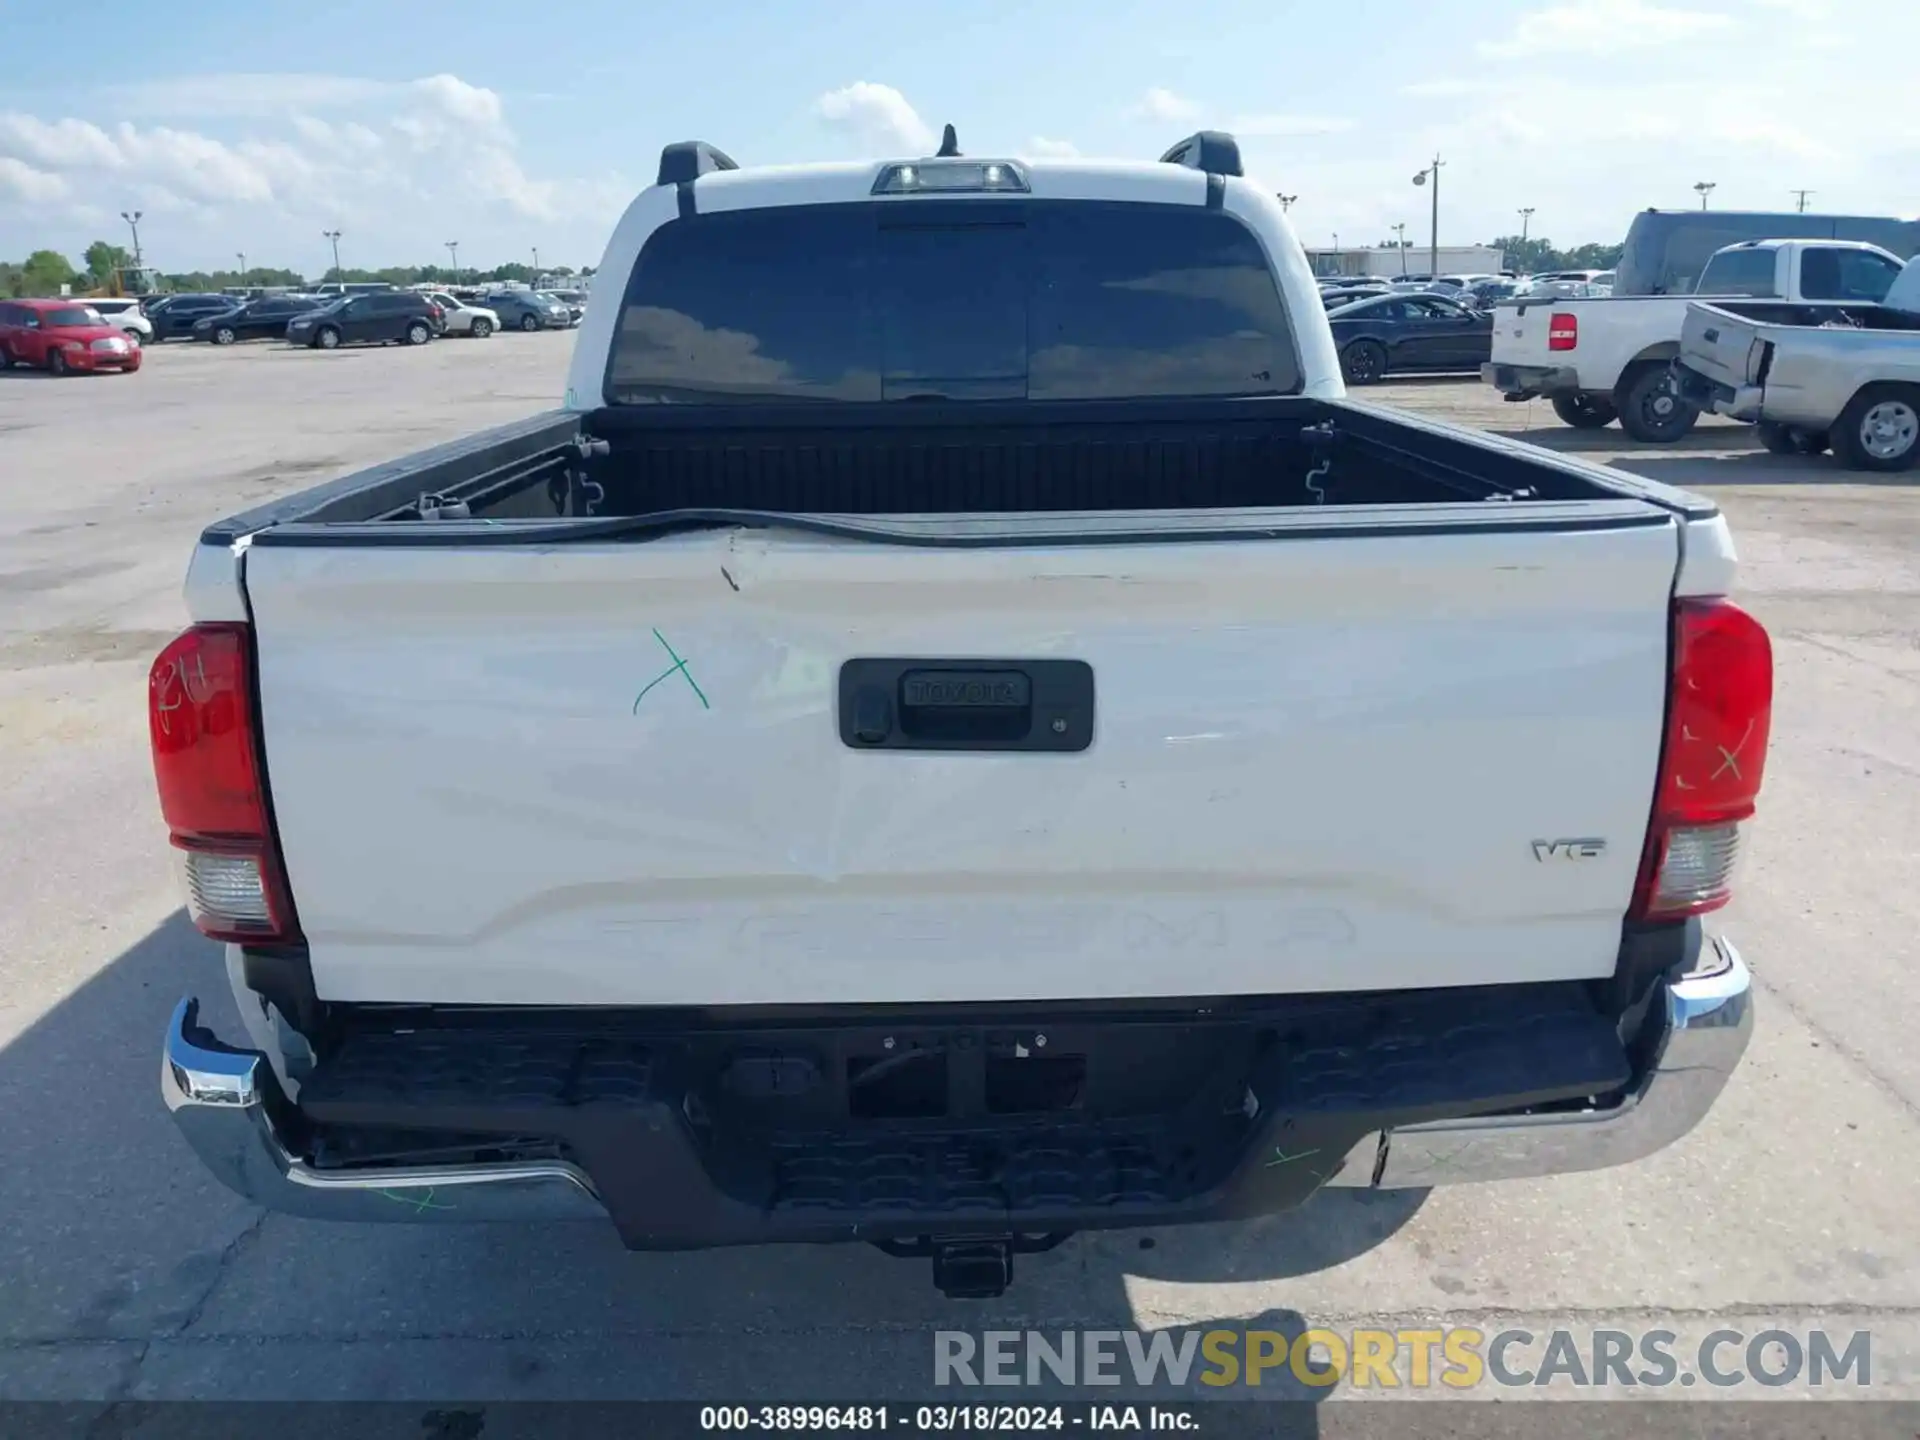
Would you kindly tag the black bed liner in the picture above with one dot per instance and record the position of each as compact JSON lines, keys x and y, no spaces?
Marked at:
{"x":716,"y":465}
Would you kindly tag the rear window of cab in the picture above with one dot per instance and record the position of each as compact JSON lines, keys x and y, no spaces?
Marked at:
{"x":950,"y":300}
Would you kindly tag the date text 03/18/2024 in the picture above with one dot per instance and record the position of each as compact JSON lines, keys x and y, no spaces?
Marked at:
{"x":944,"y":1419}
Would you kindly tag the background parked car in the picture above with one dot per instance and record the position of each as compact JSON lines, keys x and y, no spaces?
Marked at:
{"x":1334,"y":296}
{"x":392,"y":317}
{"x":63,"y":336}
{"x":1396,"y":334}
{"x":574,"y":300}
{"x":125,"y":315}
{"x":528,"y":310}
{"x":256,"y":320}
{"x":1547,"y":288}
{"x":458,"y":317}
{"x":1483,"y":293}
{"x":173,"y":316}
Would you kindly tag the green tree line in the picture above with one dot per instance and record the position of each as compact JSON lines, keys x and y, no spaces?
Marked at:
{"x":1531,"y":256}
{"x":45,"y":271}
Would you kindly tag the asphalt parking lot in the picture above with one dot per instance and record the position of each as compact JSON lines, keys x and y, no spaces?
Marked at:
{"x":129,"y":1274}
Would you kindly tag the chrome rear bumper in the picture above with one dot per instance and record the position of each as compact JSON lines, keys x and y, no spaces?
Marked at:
{"x":232,"y":1110}
{"x":1709,"y":1019}
{"x":230,"y":1106}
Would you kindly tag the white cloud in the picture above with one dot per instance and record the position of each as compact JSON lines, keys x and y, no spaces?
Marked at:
{"x":1604,"y":27}
{"x":1041,"y":148}
{"x":348,"y":139}
{"x":59,"y":144}
{"x":876,"y":115}
{"x":469,"y":104}
{"x":1160,"y":103}
{"x":23,"y":182}
{"x":1757,"y":122}
{"x":193,"y":165}
{"x":411,"y":162}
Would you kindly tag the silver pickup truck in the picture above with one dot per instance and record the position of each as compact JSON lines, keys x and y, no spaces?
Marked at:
{"x":1810,"y":376}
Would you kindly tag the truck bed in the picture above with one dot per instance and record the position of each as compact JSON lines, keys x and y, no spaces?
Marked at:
{"x":598,"y":739}
{"x":1161,"y":457}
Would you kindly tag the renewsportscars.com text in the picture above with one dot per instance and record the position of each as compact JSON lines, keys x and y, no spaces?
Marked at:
{"x":1453,"y":1358}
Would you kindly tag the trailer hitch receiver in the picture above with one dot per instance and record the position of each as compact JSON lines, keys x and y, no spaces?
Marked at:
{"x":973,"y":1269}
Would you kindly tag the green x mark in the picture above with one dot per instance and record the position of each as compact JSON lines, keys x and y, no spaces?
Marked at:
{"x":418,"y":1202}
{"x":679,"y":667}
{"x":1280,"y":1157}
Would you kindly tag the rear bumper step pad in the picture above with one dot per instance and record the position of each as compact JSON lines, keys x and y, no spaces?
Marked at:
{"x":1413,"y":1096}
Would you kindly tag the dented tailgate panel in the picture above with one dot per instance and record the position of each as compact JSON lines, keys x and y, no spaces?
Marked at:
{"x":617,"y":774}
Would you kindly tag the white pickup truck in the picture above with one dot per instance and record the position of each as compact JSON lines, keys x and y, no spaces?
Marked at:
{"x":1596,"y":359}
{"x":956,"y":734}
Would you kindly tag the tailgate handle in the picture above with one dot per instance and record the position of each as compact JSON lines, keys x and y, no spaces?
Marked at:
{"x":922,"y":704}
{"x":1712,"y":336}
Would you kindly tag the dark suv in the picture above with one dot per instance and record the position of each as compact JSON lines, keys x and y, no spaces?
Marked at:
{"x":256,"y":320}
{"x":173,"y":316}
{"x":393,"y":317}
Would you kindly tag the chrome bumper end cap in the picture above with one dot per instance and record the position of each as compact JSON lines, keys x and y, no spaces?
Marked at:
{"x":1707,"y":1023}
{"x":229,"y":1105}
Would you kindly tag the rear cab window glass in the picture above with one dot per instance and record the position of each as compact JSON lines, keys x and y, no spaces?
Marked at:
{"x":1739,"y":272}
{"x":950,"y":300}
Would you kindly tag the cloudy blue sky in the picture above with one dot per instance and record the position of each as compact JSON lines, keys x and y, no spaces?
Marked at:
{"x":247,"y":127}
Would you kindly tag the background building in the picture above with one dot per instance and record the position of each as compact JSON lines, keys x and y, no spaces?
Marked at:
{"x":1388,"y":262}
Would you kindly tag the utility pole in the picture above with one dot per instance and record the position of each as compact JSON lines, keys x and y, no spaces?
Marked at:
{"x":1801,"y":196}
{"x":1704,"y":189}
{"x":1400,"y":234}
{"x":1432,"y":173}
{"x":132,"y":217}
{"x":453,"y":254}
{"x":334,"y":236}
{"x":1286,"y":201}
{"x":1526,"y":215}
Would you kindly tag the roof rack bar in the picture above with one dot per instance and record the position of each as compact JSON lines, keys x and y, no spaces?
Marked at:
{"x":1213,"y":151}
{"x":687,"y":160}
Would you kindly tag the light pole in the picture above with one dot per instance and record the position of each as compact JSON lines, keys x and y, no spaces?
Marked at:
{"x":1432,"y":172}
{"x":241,"y":256}
{"x":536,"y":262}
{"x":1286,"y":201}
{"x":1801,"y":197}
{"x":453,"y":254}
{"x":132,"y":217}
{"x":334,"y":236}
{"x":1704,"y":188}
{"x":1526,"y":215}
{"x":1400,"y":234}
{"x":1338,"y":268}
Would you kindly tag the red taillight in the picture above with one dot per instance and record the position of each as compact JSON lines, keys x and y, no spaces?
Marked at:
{"x":1719,"y":711}
{"x":206,"y":760}
{"x":1563,"y":331}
